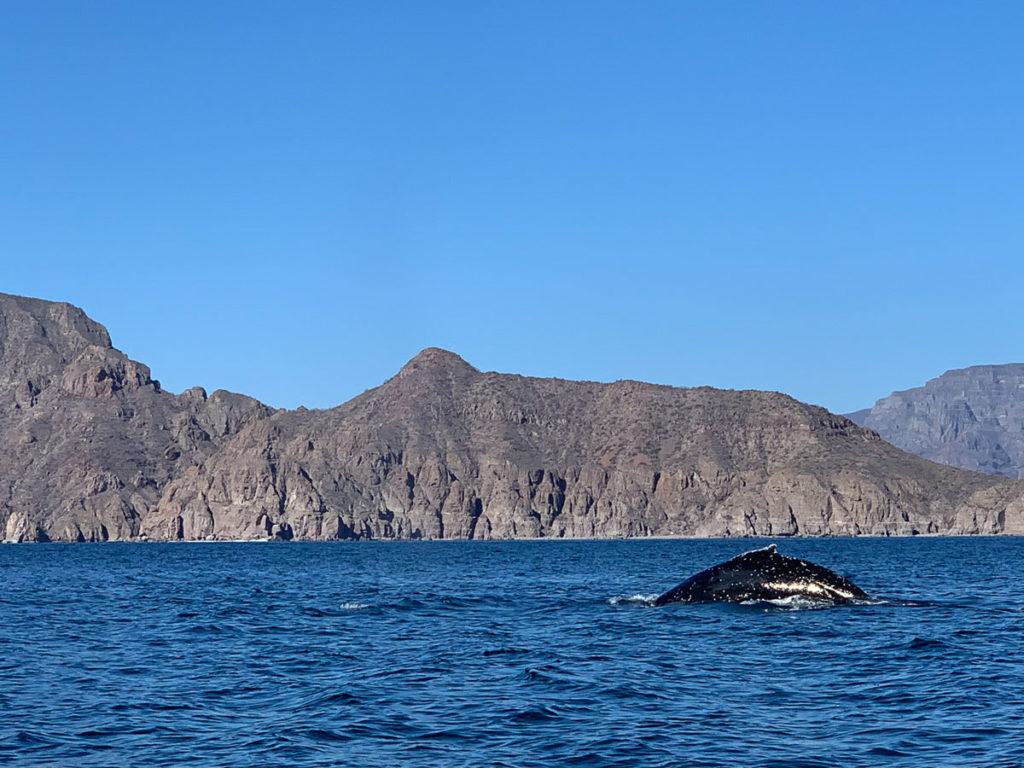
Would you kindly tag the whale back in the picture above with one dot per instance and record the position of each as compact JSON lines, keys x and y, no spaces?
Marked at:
{"x":762,"y":574}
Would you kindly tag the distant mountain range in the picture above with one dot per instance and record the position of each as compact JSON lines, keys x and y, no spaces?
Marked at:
{"x":92,"y":449}
{"x":971,"y":418}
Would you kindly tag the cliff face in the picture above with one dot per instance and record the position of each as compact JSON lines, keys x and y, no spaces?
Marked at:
{"x":88,"y":440}
{"x":971,"y":418}
{"x":444,"y":451}
{"x":91,"y":448}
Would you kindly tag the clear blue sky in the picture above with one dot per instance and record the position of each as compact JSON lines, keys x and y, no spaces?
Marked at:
{"x":291,"y":199}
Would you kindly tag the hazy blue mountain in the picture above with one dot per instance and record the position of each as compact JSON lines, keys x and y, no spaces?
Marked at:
{"x":971,"y":418}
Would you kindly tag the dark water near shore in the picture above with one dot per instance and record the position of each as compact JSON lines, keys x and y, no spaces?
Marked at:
{"x":503,"y":654}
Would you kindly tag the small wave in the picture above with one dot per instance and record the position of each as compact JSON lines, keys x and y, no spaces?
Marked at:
{"x":632,"y":600}
{"x":353,"y":606}
{"x":325,"y":735}
{"x":894,"y":601}
{"x":505,"y":651}
{"x":204,"y":628}
{"x":887,"y":752}
{"x":809,"y":603}
{"x":792,"y":603}
{"x":339,"y":698}
{"x":324,"y":699}
{"x":153,"y":706}
{"x":131,"y":670}
{"x":553,"y":677}
{"x":879,"y":601}
{"x":446,"y":734}
{"x":926,"y":644}
{"x":36,"y":739}
{"x":535,"y":715}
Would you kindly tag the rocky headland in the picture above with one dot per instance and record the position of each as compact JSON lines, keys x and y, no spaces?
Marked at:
{"x":88,"y":439}
{"x":92,"y":449}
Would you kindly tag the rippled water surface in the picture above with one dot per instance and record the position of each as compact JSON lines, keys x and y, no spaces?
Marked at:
{"x":504,"y":654}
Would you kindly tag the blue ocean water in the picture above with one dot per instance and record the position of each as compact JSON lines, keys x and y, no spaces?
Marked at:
{"x":504,"y":654}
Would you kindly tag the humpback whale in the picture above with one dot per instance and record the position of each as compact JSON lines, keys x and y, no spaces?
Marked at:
{"x":762,"y":574}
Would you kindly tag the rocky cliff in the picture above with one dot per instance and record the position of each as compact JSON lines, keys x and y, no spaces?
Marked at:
{"x":88,"y":439}
{"x":971,"y":418}
{"x":444,"y":451}
{"x":91,"y":448}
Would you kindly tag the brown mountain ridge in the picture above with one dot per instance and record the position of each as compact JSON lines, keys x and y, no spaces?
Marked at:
{"x":91,"y":448}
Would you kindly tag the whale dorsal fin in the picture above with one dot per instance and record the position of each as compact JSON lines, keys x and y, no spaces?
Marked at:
{"x":769,"y":550}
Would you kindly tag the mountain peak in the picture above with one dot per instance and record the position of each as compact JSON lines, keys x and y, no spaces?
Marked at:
{"x":435,"y":359}
{"x":38,"y":339}
{"x":24,"y":318}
